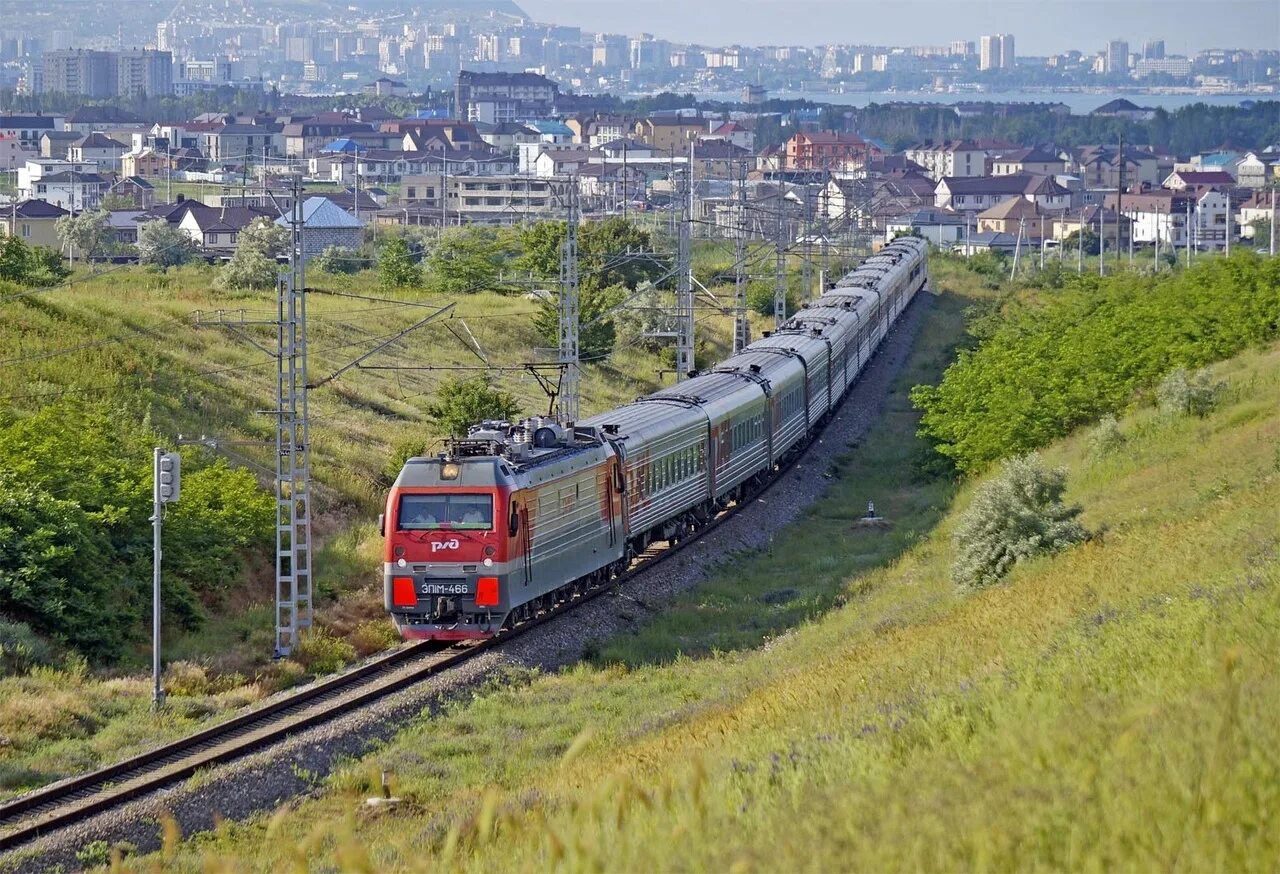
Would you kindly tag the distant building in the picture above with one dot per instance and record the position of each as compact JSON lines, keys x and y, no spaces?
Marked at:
{"x":34,"y":221}
{"x":995,"y":52}
{"x":1122,"y":108}
{"x":93,"y":73}
{"x":499,"y":97}
{"x":326,"y":225}
{"x":1117,"y":57}
{"x":1153,"y":50}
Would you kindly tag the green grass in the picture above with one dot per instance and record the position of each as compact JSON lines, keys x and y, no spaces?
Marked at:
{"x":1109,"y":707}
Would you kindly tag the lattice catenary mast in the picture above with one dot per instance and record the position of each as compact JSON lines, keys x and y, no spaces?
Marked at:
{"x":684,"y":277}
{"x":569,"y":311}
{"x":293,"y":445}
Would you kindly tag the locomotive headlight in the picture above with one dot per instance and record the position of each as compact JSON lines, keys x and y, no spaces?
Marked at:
{"x":488,"y":562}
{"x":402,"y":562}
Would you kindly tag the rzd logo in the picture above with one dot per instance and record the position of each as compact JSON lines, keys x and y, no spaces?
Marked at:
{"x":452,"y":543}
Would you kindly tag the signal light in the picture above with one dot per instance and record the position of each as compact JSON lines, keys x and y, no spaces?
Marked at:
{"x":403,"y":594}
{"x":487,"y":592}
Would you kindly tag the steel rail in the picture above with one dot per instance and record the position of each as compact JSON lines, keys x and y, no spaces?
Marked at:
{"x":60,"y":805}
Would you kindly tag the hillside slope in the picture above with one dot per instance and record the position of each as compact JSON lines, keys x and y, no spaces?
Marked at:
{"x":1108,"y":707}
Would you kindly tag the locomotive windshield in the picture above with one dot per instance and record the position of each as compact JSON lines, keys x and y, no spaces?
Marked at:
{"x":428,"y":512}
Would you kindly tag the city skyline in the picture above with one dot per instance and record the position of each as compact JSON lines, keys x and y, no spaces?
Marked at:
{"x":1041,"y":29}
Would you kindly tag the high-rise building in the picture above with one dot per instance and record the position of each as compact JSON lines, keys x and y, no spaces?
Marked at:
{"x":963,"y":48}
{"x":92,"y":73}
{"x":1117,"y":57}
{"x":1007,"y":58}
{"x":85,"y":72}
{"x":144,"y":71}
{"x":989,"y":53}
{"x":1153,"y":50}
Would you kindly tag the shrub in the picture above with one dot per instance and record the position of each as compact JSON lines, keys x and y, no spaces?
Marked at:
{"x":1016,"y":515}
{"x":760,"y":298}
{"x":1056,"y":362}
{"x":339,"y":260}
{"x":1183,"y":393}
{"x":1106,"y":437}
{"x":186,"y":679}
{"x":163,"y":245}
{"x":462,"y":402}
{"x":374,"y":635}
{"x":396,"y":266}
{"x":21,"y":649}
{"x":322,"y":653}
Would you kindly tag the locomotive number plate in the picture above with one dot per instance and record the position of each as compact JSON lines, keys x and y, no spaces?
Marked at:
{"x":445,"y":589}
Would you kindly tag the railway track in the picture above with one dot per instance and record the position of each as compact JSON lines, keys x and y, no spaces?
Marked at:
{"x":59,"y":805}
{"x":66,"y":803}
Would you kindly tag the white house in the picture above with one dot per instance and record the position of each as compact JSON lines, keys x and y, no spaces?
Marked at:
{"x":975,"y":194}
{"x":1163,"y":216}
{"x":954,"y":159}
{"x":1256,"y":208}
{"x":72,"y":185}
{"x":99,"y":149}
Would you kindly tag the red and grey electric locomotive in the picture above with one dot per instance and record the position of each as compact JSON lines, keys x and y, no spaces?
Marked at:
{"x":515,"y":516}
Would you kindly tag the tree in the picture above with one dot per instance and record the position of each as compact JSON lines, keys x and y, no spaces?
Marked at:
{"x":29,"y":265}
{"x":55,"y":572}
{"x":464,"y":260}
{"x":1261,"y":233}
{"x":164,"y":245}
{"x":460,"y":403}
{"x":1015,"y":516}
{"x":602,"y":249}
{"x":596,"y":331}
{"x":115,"y":201}
{"x":396,"y":267}
{"x":254,"y":265}
{"x":265,"y":236}
{"x":85,"y":235}
{"x":1072,"y":242}
{"x":649,"y":311}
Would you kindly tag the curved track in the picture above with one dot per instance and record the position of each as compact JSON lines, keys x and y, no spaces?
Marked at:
{"x":59,"y":805}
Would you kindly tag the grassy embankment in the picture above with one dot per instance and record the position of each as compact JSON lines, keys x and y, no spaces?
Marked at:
{"x":1107,"y":707}
{"x":127,"y":340}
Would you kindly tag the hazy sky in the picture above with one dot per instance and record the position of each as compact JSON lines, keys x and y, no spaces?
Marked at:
{"x":1040,"y":27}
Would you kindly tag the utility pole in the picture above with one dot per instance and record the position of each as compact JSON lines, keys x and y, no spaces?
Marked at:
{"x":1273,"y":220}
{"x":684,"y":279}
{"x":293,"y":445}
{"x":1080,"y":245}
{"x":741,"y":327}
{"x":780,"y":262}
{"x":1186,"y":231}
{"x":1102,"y":238}
{"x":1119,"y":200}
{"x":569,"y":303}
{"x":166,"y":485}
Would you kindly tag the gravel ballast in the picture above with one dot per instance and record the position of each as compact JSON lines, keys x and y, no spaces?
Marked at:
{"x":261,"y":782}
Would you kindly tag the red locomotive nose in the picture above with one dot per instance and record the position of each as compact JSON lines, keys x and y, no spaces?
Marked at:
{"x":443,"y":525}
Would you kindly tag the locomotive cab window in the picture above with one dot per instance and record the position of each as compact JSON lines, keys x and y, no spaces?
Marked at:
{"x":456,"y":511}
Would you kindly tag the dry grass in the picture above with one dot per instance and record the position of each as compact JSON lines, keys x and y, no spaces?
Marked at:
{"x":1105,"y":708}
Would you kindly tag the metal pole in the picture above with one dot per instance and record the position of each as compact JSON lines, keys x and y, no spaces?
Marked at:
{"x":1102,"y":237}
{"x":157,"y":510}
{"x":684,"y":278}
{"x":780,"y":263}
{"x":1273,"y":220}
{"x":569,"y":311}
{"x":741,"y":327}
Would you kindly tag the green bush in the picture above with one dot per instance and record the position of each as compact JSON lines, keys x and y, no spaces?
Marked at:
{"x":322,"y":653}
{"x":1183,"y":393}
{"x":1055,"y":362}
{"x":760,"y":298}
{"x":1106,"y":437}
{"x":1016,"y":515}
{"x":460,"y":403}
{"x":396,"y":265}
{"x":338,"y":260}
{"x":21,"y":649}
